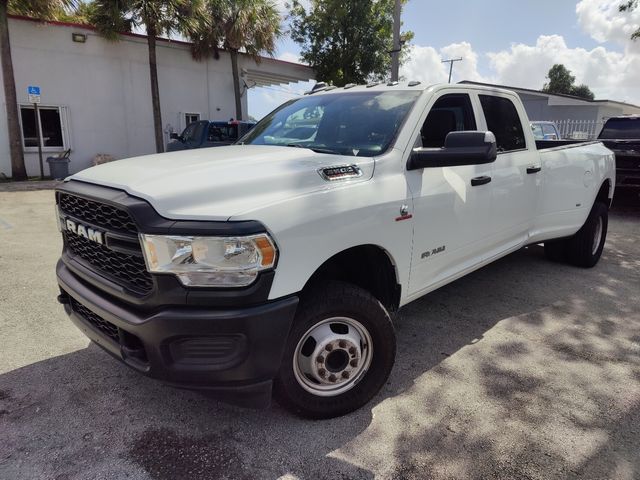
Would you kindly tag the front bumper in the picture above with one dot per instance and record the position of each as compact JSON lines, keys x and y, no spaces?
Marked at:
{"x":231,"y":353}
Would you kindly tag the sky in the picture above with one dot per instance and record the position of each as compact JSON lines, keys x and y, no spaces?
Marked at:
{"x":507,"y":42}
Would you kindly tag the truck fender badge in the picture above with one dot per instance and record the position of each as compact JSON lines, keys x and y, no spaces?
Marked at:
{"x":435,"y":251}
{"x":84,"y":231}
{"x":404,"y":213}
{"x":340,"y":172}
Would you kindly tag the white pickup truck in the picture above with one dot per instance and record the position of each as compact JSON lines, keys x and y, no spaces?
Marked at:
{"x":274,"y":263}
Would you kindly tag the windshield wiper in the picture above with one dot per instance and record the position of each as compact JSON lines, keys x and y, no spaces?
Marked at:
{"x":315,"y":149}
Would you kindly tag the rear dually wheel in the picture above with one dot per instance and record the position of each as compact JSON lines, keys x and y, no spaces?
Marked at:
{"x":583,"y":249}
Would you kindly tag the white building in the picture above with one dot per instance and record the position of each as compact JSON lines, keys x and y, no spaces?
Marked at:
{"x":95,"y":94}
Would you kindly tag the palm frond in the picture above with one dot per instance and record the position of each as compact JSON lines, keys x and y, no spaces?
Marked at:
{"x":252,"y":26}
{"x":43,"y":9}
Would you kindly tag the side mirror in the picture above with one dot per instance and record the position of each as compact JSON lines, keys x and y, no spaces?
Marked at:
{"x":174,"y":136}
{"x":460,"y":148}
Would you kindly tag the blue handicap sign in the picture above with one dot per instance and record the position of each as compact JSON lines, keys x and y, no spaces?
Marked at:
{"x":33,"y":90}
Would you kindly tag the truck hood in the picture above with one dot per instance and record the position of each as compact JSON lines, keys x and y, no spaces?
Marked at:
{"x":218,"y":183}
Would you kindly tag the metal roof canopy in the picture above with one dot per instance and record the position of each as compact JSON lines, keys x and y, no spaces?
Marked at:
{"x":264,"y":78}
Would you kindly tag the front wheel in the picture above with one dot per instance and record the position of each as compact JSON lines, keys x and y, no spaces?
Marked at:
{"x":339,"y":354}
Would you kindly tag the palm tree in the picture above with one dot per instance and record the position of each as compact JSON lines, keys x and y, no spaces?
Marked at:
{"x":42,"y":9}
{"x":252,"y":26}
{"x":158,"y":17}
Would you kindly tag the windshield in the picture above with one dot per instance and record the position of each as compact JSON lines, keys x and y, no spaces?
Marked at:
{"x":621,"y":128}
{"x":193,"y":132}
{"x":355,"y":123}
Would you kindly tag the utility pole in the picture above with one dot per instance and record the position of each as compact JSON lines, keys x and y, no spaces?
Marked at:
{"x":395,"y":53}
{"x":450,"y":62}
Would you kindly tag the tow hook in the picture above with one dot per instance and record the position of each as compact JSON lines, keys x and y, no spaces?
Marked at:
{"x":63,"y":299}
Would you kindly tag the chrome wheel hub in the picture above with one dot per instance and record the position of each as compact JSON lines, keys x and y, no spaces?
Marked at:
{"x":332,"y":356}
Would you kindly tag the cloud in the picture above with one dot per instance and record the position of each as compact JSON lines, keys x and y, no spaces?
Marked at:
{"x":611,"y":75}
{"x":425,"y":64}
{"x":467,"y":69}
{"x":602,"y":20}
{"x":289,"y":57}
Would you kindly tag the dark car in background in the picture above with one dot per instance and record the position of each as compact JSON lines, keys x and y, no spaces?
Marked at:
{"x":622,"y":135}
{"x":203,"y":134}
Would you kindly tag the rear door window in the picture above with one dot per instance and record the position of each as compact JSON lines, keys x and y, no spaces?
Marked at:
{"x":503,"y":120}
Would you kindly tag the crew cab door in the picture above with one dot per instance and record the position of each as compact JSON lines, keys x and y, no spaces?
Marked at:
{"x":516,"y":172}
{"x":451,"y":205}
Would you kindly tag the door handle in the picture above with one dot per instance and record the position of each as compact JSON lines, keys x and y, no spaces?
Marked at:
{"x":480,"y":181}
{"x":533,"y":169}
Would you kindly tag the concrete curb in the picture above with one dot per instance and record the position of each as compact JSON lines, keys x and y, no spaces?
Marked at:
{"x":29,"y":185}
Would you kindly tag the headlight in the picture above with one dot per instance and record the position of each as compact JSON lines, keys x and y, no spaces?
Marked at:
{"x":209,"y":261}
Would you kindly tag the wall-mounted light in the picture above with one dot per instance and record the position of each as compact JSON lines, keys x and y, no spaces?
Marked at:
{"x":79,"y":37}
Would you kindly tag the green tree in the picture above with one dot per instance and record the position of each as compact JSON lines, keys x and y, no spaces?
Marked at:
{"x":582,"y":91}
{"x":158,"y":18}
{"x":249,"y":26}
{"x":40,"y":9}
{"x":79,"y":14}
{"x":561,"y":81}
{"x":629,"y":6}
{"x":345,"y":41}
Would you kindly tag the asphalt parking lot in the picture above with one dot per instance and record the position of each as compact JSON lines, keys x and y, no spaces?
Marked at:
{"x":525,"y":369}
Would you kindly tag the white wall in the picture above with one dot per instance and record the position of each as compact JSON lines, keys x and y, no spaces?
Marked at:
{"x":105,"y":87}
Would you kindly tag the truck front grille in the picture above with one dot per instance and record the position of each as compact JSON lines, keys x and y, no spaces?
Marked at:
{"x":99,"y":323}
{"x":106,"y":216}
{"x":128,"y":270}
{"x":125,"y":269}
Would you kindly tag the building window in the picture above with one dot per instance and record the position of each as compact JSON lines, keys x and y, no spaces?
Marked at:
{"x":52,"y":128}
{"x":189,"y":118}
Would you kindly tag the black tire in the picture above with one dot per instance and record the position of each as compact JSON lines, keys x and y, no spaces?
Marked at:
{"x":337,"y":299}
{"x":556,"y":250}
{"x":585,"y":247}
